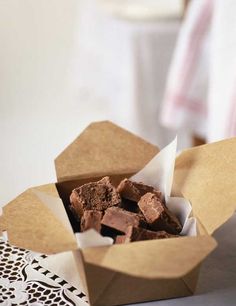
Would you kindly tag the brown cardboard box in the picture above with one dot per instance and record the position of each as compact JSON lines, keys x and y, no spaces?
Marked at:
{"x":139,"y":271}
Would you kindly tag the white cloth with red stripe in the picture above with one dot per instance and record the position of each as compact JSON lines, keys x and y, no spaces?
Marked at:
{"x":201,"y":87}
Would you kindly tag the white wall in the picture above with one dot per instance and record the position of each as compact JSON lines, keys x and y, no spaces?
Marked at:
{"x":39,"y":113}
{"x":35,"y":43}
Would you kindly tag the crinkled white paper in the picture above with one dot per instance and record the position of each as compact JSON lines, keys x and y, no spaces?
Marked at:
{"x":158,"y":173}
{"x":160,"y":170}
{"x":88,"y":238}
{"x":3,"y":235}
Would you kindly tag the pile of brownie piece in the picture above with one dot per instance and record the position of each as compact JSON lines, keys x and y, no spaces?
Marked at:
{"x":131,"y":212}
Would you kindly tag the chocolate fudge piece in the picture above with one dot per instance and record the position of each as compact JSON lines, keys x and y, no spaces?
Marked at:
{"x":91,"y":219}
{"x":157,"y":215}
{"x":134,"y":191}
{"x":94,"y":196}
{"x":122,"y":239}
{"x":139,"y":234}
{"x":119,"y":219}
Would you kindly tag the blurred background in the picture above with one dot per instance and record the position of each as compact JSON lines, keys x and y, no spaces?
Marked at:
{"x":65,"y":63}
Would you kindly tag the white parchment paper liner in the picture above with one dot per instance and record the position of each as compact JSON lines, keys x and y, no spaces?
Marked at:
{"x":158,"y":173}
{"x":3,"y":234}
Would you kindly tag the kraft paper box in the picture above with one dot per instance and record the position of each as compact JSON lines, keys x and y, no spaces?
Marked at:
{"x":139,"y":271}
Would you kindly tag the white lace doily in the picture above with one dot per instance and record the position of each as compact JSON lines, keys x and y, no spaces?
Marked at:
{"x":23,"y":281}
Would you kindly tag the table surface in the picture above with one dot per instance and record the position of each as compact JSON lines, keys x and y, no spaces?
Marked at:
{"x":25,"y":280}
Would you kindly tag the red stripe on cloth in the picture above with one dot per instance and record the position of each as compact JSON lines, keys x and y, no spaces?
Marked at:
{"x":177,"y":98}
{"x":181,"y":101}
{"x":194,"y":45}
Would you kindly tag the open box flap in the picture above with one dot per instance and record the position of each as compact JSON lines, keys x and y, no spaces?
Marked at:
{"x":206,"y":176}
{"x":166,"y":258}
{"x":105,"y":284}
{"x":49,"y":189}
{"x":102,"y":149}
{"x":31,"y":222}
